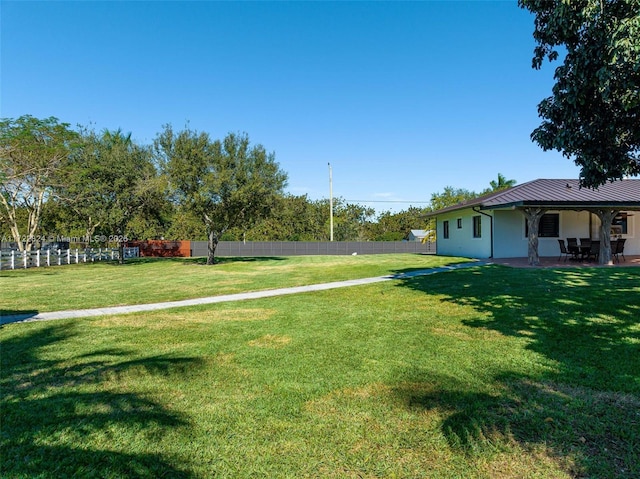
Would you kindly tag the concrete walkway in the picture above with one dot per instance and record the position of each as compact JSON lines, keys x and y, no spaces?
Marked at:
{"x":83,"y":313}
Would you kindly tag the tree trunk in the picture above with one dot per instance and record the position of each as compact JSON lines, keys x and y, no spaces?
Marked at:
{"x":606,"y":218}
{"x":533,"y":216}
{"x":211,"y":247}
{"x":90,"y":230}
{"x":34,"y":221}
{"x":121,"y":252}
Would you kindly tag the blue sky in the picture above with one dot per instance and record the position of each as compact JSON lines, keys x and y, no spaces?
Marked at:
{"x":402,"y":98}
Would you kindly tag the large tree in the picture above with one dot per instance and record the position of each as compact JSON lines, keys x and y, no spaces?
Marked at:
{"x":294,"y":218}
{"x":351,"y":220}
{"x":226,"y":183}
{"x":397,"y":226}
{"x":111,"y":182}
{"x":593,"y":116}
{"x":33,"y":154}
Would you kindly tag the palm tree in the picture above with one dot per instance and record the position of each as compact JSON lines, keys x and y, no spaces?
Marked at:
{"x":501,"y":184}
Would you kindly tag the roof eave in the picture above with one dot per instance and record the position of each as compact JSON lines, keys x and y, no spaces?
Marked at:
{"x":566,"y":205}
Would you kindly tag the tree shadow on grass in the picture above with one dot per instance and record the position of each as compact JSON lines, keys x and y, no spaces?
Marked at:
{"x":585,"y":409}
{"x":202,"y":260}
{"x":11,"y":316}
{"x":58,"y":421}
{"x":244,"y":259}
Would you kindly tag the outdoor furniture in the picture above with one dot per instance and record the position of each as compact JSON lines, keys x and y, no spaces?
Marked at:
{"x":563,"y":250}
{"x":594,"y":250}
{"x":618,"y":249}
{"x":585,"y":247}
{"x":572,"y":246}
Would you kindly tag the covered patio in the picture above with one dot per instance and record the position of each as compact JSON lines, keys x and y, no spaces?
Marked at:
{"x":555,"y":262}
{"x":530,"y":222}
{"x":607,"y":223}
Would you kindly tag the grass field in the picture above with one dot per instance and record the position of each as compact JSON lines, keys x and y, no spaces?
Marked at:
{"x":488,"y":372}
{"x":149,"y":280}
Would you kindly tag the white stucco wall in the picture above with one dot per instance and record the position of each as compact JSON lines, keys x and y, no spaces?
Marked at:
{"x":461,"y":241}
{"x":632,"y":246}
{"x":510,"y":240}
{"x":509,"y":234}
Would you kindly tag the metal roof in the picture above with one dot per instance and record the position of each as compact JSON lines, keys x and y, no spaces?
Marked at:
{"x":558,"y":194}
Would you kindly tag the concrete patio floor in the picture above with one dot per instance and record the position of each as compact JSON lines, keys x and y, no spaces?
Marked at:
{"x":554,"y":262}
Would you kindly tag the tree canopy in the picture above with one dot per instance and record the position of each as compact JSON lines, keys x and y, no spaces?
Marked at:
{"x":226,"y":183}
{"x":112,"y":184}
{"x":451,"y":196}
{"x":33,"y":154}
{"x":593,"y":115}
{"x":91,"y":188}
{"x":500,"y":184}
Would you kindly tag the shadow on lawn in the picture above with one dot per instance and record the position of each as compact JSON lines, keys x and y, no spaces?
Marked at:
{"x":11,"y":316}
{"x":586,"y":408}
{"x":53,"y":417}
{"x":199,"y":260}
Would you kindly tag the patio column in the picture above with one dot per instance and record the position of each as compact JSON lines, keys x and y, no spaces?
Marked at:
{"x":533,"y":216}
{"x":606,"y":218}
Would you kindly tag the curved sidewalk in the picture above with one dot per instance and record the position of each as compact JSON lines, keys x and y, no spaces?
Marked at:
{"x":83,"y":313}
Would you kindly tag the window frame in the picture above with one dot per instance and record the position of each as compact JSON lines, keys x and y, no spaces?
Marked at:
{"x":477,"y":226}
{"x":545,"y":217}
{"x":620,"y":224}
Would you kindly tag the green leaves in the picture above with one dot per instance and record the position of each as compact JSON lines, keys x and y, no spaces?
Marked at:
{"x":34,"y":154}
{"x":113,"y":185}
{"x":593,"y":116}
{"x":227,"y":183}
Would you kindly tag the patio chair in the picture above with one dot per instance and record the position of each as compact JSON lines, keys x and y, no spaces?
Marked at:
{"x":563,"y":250}
{"x":572,"y":246}
{"x":594,"y":250}
{"x":619,"y":249}
{"x":585,"y":246}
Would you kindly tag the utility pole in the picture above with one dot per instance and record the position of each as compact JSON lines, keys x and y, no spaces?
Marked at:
{"x":330,"y":202}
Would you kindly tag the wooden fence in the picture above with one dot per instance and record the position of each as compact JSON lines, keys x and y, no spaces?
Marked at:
{"x":35,"y":259}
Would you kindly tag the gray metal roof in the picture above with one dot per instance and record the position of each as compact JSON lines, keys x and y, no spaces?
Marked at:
{"x":558,"y":194}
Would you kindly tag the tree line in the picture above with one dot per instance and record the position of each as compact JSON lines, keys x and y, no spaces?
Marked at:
{"x":187,"y":185}
{"x":100,"y":187}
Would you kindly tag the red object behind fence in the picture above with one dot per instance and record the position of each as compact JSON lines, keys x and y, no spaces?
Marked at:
{"x":162,"y":248}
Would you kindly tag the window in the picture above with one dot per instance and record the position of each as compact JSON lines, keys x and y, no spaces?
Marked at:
{"x":477,"y":226}
{"x":620,"y":224}
{"x":445,"y":229}
{"x":459,"y":223}
{"x":549,"y":226}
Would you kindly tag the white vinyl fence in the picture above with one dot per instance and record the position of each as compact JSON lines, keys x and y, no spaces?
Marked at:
{"x":35,"y":259}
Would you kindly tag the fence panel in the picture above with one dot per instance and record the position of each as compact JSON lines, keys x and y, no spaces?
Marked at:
{"x":35,"y":259}
{"x":295,"y":248}
{"x":16,"y":260}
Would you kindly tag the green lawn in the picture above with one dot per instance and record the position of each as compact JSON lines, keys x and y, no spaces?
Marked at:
{"x":488,"y":372}
{"x":149,"y":280}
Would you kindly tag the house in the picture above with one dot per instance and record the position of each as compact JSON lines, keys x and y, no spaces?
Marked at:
{"x":419,"y":235}
{"x":497,"y":225}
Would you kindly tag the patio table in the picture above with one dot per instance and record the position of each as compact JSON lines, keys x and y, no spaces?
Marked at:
{"x":584,"y":250}
{"x":578,"y":251}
